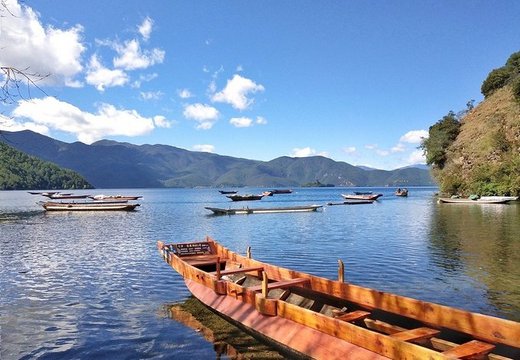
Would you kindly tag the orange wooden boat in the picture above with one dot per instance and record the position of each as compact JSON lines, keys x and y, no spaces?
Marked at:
{"x":318,"y":318}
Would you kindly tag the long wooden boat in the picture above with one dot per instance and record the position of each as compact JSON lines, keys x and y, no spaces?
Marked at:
{"x":247,"y":197}
{"x":115,"y":197}
{"x":89,"y":206}
{"x":325,"y":319}
{"x":351,"y":202}
{"x":60,"y":196}
{"x":281,"y":191}
{"x":264,"y":210}
{"x":507,"y":198}
{"x":361,"y":196}
{"x":473,"y":201}
{"x":225,"y":192}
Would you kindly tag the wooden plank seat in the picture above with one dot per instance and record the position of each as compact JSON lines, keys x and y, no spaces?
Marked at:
{"x":282,"y":284}
{"x":353,"y":316}
{"x":471,"y":349}
{"x":417,"y":334}
{"x":239,"y":270}
{"x":201,"y":260}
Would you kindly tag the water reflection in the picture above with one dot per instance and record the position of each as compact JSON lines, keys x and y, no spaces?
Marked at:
{"x":481,"y":242}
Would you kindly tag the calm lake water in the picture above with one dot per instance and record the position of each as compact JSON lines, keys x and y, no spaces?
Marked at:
{"x":87,"y":285}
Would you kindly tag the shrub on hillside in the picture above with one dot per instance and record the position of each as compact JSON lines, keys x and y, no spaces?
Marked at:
{"x":441,"y":135}
{"x":516,"y":89}
{"x":495,"y":80}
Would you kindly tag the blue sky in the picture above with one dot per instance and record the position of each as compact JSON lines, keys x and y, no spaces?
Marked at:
{"x":356,"y":81}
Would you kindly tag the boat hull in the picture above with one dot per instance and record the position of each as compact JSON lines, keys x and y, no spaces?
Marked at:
{"x":103,"y":206}
{"x":361,"y":197}
{"x":469,"y":201}
{"x":247,"y":211}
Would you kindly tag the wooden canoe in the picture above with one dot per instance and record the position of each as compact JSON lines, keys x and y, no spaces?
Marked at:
{"x":264,"y":210}
{"x":325,"y":319}
{"x":361,"y":197}
{"x":89,"y":206}
{"x":246,"y":197}
{"x":471,"y":201}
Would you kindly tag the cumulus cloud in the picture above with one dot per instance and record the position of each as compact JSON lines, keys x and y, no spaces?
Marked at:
{"x":9,"y":124}
{"x":416,"y":157}
{"x":414,"y":136}
{"x":204,"y":115}
{"x":143,"y":78}
{"x":88,"y":127}
{"x":307,"y":151}
{"x":204,"y":148}
{"x":184,"y":93}
{"x":260,"y":120}
{"x":241,"y":122}
{"x":161,"y":122}
{"x":151,"y":95}
{"x":145,"y":29}
{"x":131,"y":57}
{"x":398,"y":148}
{"x":28,"y":44}
{"x":236,"y":92}
{"x":102,"y":77}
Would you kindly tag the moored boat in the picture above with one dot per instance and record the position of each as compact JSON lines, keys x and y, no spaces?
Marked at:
{"x":115,"y":197}
{"x":281,"y":191}
{"x":401,"y":192}
{"x":225,"y":192}
{"x":361,"y":196}
{"x":246,"y":197}
{"x":351,"y":202}
{"x":59,"y":196}
{"x":507,"y":198}
{"x":264,"y":210}
{"x":473,"y":201}
{"x":325,"y":319}
{"x":120,"y":205}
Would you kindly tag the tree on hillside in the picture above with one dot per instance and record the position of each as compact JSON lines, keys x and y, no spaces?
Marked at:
{"x":507,"y":74}
{"x":441,"y":135}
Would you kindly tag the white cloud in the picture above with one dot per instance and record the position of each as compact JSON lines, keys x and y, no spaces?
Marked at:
{"x":371,"y":146}
{"x":161,"y":122}
{"x":414,"y":136}
{"x":260,"y":120}
{"x":102,"y":77}
{"x":145,"y":29}
{"x":307,"y":151}
{"x":349,"y":149}
{"x":144,"y":78}
{"x":241,"y":122}
{"x":398,"y":148}
{"x":27,"y":44}
{"x":236,"y":91}
{"x":131,"y":57}
{"x":184,"y":94}
{"x":204,"y":115}
{"x":151,"y":95}
{"x":9,"y":124}
{"x":416,"y":157}
{"x":88,"y":127}
{"x":204,"y":148}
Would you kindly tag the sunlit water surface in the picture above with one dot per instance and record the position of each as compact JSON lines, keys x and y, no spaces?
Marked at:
{"x":87,"y":285}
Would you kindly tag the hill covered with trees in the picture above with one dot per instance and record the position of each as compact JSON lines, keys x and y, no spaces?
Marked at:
{"x":478,"y":150}
{"x":19,"y":171}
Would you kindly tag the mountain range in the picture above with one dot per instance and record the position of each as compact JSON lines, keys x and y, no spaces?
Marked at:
{"x":112,"y":164}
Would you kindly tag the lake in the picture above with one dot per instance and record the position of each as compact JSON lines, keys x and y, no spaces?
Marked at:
{"x":86,"y":285}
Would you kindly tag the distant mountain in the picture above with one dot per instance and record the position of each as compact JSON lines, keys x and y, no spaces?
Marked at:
{"x":112,"y":164}
{"x":19,"y":171}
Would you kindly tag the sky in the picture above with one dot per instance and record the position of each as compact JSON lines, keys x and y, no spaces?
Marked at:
{"x":355,"y":81}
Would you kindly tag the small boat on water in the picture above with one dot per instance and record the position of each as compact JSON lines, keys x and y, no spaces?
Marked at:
{"x":473,"y":201}
{"x":115,"y":197}
{"x":121,"y":205}
{"x":281,"y":191}
{"x":265,"y":210}
{"x":363,"y":192}
{"x":246,"y":197}
{"x":401,"y":192}
{"x":59,"y":196}
{"x":352,"y":202}
{"x":362,"y":196}
{"x":507,"y":198}
{"x":319,"y":318}
{"x":225,"y":192}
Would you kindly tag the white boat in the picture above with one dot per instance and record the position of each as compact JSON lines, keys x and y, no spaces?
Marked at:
{"x":266,"y":210}
{"x":507,"y":198}
{"x":88,"y":206}
{"x":472,"y":201}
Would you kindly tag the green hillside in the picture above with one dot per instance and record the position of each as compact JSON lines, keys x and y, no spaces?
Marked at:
{"x":19,"y":171}
{"x":479,"y":152}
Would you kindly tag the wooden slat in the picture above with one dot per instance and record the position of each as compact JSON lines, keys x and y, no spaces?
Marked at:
{"x":281,"y":284}
{"x":240,"y":270}
{"x":470,"y":349}
{"x":416,"y":334}
{"x":208,"y":260}
{"x":357,"y":335}
{"x":353,"y":316}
